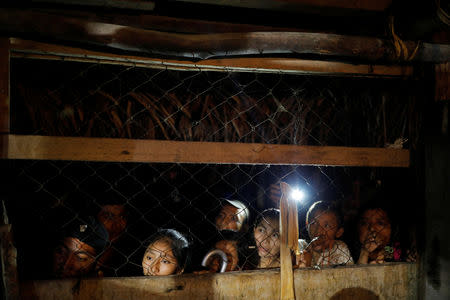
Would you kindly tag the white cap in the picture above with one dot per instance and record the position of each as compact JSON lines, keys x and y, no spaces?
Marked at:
{"x":242,"y":208}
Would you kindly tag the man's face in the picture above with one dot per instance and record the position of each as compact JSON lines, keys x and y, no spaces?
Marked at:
{"x":374,"y":229}
{"x":114,"y":219}
{"x":73,"y":258}
{"x":325,"y":227}
{"x":229,"y":218}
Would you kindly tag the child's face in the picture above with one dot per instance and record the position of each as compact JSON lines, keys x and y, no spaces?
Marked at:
{"x":374,"y":229}
{"x":229,"y":218}
{"x":325,"y":227}
{"x":267,"y":237}
{"x":73,"y":258}
{"x":230,"y":249}
{"x":159,"y":259}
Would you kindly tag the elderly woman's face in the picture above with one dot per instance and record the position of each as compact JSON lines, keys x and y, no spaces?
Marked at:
{"x":73,"y":258}
{"x":374,"y":229}
{"x":267,"y":237}
{"x":229,"y":218}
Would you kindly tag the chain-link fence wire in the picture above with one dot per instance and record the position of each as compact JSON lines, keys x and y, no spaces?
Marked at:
{"x":50,"y":200}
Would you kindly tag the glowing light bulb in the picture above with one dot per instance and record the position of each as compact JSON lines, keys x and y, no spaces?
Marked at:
{"x":297,"y":195}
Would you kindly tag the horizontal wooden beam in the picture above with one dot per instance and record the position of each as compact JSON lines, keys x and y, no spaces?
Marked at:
{"x":388,"y":281}
{"x":297,"y":5}
{"x":201,"y":46}
{"x":36,"y":50}
{"x":158,"y":151}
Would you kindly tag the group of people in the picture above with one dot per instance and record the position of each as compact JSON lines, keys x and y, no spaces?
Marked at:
{"x":87,"y":247}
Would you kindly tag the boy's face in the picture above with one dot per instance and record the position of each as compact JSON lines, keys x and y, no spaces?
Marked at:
{"x":229,"y":218}
{"x":374,"y":229}
{"x":325,"y":227}
{"x":73,"y":258}
{"x":230,"y":249}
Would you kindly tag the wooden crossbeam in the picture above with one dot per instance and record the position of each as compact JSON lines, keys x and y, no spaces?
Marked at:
{"x":202,"y":46}
{"x":159,"y":151}
{"x":36,"y":50}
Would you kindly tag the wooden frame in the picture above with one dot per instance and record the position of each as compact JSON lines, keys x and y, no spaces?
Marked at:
{"x":128,"y":150}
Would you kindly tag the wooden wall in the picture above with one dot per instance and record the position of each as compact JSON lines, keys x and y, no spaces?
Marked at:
{"x":389,"y":281}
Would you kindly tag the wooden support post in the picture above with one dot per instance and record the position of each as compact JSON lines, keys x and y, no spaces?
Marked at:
{"x":4,"y":95}
{"x":286,"y":272}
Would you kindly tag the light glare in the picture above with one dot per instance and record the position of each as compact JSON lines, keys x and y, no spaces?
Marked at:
{"x":297,"y":194}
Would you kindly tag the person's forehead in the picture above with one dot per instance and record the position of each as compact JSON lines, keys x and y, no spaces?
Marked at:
{"x":230,"y":209}
{"x":75,"y":245}
{"x":270,"y":223}
{"x":225,"y":243}
{"x":161,"y":246}
{"x":321,"y":215}
{"x":116,"y":209}
{"x":375,"y":214}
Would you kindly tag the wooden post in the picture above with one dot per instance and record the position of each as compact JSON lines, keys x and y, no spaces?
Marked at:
{"x":4,"y":95}
{"x":286,"y":273}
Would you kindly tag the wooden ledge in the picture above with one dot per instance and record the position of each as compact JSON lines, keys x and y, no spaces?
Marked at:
{"x":388,"y":281}
{"x":159,"y":151}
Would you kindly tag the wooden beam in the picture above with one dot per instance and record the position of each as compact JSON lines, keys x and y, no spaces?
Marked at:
{"x":299,"y":5}
{"x":388,"y":281}
{"x":202,"y":46}
{"x":4,"y":86}
{"x":36,"y":50}
{"x":158,"y":151}
{"x":124,"y":4}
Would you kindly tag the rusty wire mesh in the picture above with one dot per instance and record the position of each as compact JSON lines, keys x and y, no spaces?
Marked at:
{"x":95,"y":100}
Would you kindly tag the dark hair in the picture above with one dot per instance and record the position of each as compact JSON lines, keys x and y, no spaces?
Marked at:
{"x":323,"y":207}
{"x":178,"y":242}
{"x":89,"y":231}
{"x":270,"y":213}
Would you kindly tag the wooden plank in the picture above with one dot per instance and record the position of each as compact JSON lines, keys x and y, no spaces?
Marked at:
{"x":389,"y":281}
{"x":128,"y":150}
{"x":4,"y":86}
{"x":37,"y":50}
{"x":286,"y":273}
{"x":202,"y":46}
{"x":298,"y":5}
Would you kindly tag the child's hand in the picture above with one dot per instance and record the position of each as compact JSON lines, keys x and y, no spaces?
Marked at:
{"x":411,"y":255}
{"x":303,"y":260}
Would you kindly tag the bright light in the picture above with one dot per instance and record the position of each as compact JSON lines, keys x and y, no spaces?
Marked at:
{"x":297,"y":195}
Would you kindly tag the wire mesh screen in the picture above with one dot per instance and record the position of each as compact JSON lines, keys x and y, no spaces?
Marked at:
{"x":50,"y":201}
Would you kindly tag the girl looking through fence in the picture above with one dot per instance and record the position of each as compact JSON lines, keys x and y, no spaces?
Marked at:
{"x":267,"y":237}
{"x":168,"y":253}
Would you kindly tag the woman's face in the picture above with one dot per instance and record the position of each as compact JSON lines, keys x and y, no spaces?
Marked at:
{"x":374,"y":229}
{"x":267,"y":237}
{"x":159,"y":259}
